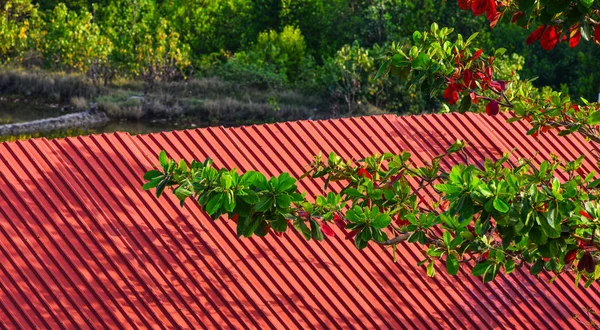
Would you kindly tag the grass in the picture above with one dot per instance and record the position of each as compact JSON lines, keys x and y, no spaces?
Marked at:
{"x":207,"y":99}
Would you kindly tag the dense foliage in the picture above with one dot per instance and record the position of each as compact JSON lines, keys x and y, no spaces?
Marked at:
{"x":494,"y":216}
{"x":327,"y":47}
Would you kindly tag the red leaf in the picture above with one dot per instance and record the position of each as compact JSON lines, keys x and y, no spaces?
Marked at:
{"x":464,"y":4}
{"x":477,"y":54}
{"x":586,"y":263}
{"x":597,"y":33}
{"x":479,"y":6}
{"x":364,"y":172}
{"x":585,"y":214}
{"x":451,"y":95}
{"x":351,"y":234}
{"x":338,"y":221}
{"x":535,"y":35}
{"x":516,"y":16}
{"x":549,"y":38}
{"x":327,"y":230}
{"x":574,"y":36}
{"x":492,"y":108}
{"x":492,"y":13}
{"x":474,"y":98}
{"x":570,"y":256}
{"x":581,"y":244}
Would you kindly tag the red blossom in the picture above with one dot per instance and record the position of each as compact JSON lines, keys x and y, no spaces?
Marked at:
{"x":492,"y":108}
{"x":535,"y":35}
{"x":485,"y":255}
{"x":477,"y":54}
{"x":327,"y":230}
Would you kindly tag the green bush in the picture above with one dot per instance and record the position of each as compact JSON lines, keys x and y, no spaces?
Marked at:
{"x":262,"y":76}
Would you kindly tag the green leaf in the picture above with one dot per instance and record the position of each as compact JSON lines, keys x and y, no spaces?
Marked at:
{"x":452,"y":264}
{"x":214,"y":204}
{"x":381,"y":221}
{"x":431,"y":269}
{"x":509,"y":266}
{"x":481,"y":268}
{"x":500,"y":205}
{"x":587,"y":3}
{"x":249,"y":196}
{"x":283,"y":202}
{"x":594,"y":119}
{"x":359,"y":243}
{"x":286,"y":182}
{"x":399,"y":61}
{"x":279,"y":224}
{"x":161,"y":186}
{"x":152,"y":174}
{"x":383,"y":69}
{"x":448,"y":188}
{"x":164,"y":161}
{"x":537,"y":267}
{"x":420,"y":62}
{"x":301,"y":226}
{"x":153,"y":183}
{"x":465,"y":104}
{"x":417,"y":36}
{"x":264,"y":204}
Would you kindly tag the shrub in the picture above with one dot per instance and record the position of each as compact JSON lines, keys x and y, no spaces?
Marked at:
{"x":250,"y":74}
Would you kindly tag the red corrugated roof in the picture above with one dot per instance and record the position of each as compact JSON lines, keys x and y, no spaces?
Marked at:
{"x":82,"y":246}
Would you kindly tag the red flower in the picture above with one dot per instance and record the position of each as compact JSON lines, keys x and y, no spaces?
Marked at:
{"x":234,"y":218}
{"x":570,"y":256}
{"x":485,"y":255}
{"x":585,"y":214}
{"x":549,"y":38}
{"x":477,"y":54}
{"x":492,"y":108}
{"x":535,"y":35}
{"x":327,"y":230}
{"x":365,"y":173}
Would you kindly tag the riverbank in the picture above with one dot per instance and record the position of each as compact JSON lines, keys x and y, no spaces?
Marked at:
{"x":51,"y":102}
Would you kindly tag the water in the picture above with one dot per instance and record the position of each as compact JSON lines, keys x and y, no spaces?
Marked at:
{"x":19,"y":110}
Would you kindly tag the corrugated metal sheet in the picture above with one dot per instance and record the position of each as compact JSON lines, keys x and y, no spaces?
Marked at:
{"x":82,"y":246}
